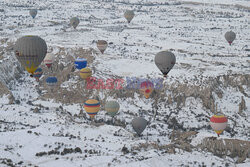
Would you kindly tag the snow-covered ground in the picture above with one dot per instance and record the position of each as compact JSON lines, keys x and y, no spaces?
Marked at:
{"x":194,"y":33}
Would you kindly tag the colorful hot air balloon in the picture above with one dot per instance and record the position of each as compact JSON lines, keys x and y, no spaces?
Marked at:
{"x":51,"y":82}
{"x":80,"y":63}
{"x":102,"y":45}
{"x":48,"y":60}
{"x":218,"y":123}
{"x":230,"y":37}
{"x":74,"y":21}
{"x":139,"y":124}
{"x":38,"y":73}
{"x":30,"y":52}
{"x":165,"y":61}
{"x":147,"y":88}
{"x":85,"y":73}
{"x":33,"y":13}
{"x":112,"y":107}
{"x":129,"y":15}
{"x":92,"y":106}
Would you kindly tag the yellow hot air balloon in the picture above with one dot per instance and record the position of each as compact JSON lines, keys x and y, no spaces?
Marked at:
{"x":85,"y":73}
{"x":92,"y":107}
{"x":147,"y":88}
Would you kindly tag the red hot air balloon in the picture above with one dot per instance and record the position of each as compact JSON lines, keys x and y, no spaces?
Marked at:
{"x":147,"y":88}
{"x":218,"y":123}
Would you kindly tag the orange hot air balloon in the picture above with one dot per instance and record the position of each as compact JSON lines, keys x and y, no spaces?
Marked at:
{"x":92,"y":107}
{"x":147,"y":88}
{"x":218,"y":123}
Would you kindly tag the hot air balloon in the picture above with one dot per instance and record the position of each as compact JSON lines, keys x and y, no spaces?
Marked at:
{"x":218,"y":123}
{"x":102,"y":45}
{"x":139,"y":124}
{"x":48,"y":60}
{"x":30,"y":52}
{"x":74,"y":21}
{"x":33,"y":13}
{"x":129,"y":15}
{"x":230,"y":37}
{"x":51,"y":82}
{"x":85,"y":73}
{"x":165,"y":61}
{"x":80,"y":63}
{"x":112,"y":107}
{"x":92,"y":107}
{"x":38,"y":73}
{"x":147,"y":88}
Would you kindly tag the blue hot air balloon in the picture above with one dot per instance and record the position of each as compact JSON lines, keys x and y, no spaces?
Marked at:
{"x":80,"y":63}
{"x":51,"y":81}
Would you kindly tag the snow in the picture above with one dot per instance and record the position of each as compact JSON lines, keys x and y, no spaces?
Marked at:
{"x":224,"y":2}
{"x":4,"y":100}
{"x":184,"y":158}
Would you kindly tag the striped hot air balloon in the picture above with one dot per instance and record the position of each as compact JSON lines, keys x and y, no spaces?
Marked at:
{"x":85,"y":73}
{"x":51,"y":82}
{"x":30,"y":52}
{"x":92,"y":107}
{"x":38,"y":73}
{"x":147,"y":88}
{"x":218,"y":123}
{"x":80,"y":63}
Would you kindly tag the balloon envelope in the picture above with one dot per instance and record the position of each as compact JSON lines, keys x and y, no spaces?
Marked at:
{"x":38,"y":73}
{"x":51,"y":81}
{"x":48,"y":60}
{"x":85,"y":73}
{"x":129,"y":15}
{"x":139,"y":124}
{"x":218,"y":123}
{"x":74,"y":21}
{"x":33,"y":13}
{"x":147,"y":88}
{"x":30,"y":52}
{"x":102,"y":45}
{"x":92,"y":107}
{"x":80,"y":63}
{"x":112,"y":107}
{"x":165,"y":61}
{"x":230,"y":37}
